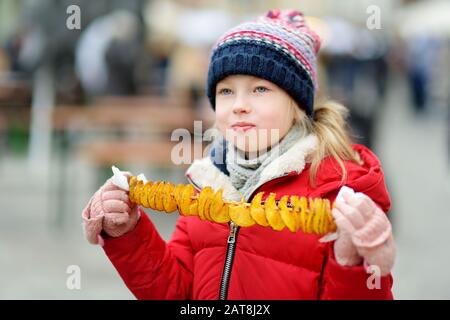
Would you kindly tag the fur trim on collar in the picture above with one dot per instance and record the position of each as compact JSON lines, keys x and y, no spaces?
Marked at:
{"x":204,"y":173}
{"x":292,"y":160}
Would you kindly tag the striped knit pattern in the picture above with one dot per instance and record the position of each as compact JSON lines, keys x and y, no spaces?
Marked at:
{"x":278,"y":47}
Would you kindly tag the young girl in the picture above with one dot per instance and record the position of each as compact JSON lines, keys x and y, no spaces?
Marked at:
{"x":262,"y":78}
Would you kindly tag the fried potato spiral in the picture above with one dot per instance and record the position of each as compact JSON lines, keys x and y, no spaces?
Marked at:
{"x":312,"y":216}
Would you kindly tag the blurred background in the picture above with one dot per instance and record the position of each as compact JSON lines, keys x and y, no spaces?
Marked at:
{"x":106,"y":82}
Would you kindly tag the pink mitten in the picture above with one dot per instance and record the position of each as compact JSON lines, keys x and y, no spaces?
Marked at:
{"x":369,"y":228}
{"x":345,"y":251}
{"x":110,"y":210}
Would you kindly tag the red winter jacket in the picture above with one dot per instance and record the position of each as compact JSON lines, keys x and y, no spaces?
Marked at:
{"x":262,"y":263}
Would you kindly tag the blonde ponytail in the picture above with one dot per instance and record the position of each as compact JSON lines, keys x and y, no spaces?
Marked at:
{"x":330,"y":127}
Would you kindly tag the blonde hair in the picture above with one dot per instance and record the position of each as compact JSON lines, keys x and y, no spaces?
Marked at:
{"x":330,"y":127}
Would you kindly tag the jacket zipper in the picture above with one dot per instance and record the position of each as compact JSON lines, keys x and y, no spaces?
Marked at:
{"x":231,"y":245}
{"x":231,"y":249}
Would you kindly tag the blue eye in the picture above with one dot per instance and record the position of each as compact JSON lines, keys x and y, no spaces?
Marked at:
{"x":261,"y":89}
{"x":225,"y":91}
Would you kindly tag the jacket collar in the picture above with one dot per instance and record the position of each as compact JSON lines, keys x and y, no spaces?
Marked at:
{"x":211,"y":171}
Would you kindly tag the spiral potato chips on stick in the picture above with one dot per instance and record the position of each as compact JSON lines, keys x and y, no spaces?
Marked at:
{"x":312,"y":216}
{"x":295,"y":213}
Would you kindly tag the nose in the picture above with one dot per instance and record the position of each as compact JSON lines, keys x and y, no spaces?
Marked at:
{"x":241,"y":105}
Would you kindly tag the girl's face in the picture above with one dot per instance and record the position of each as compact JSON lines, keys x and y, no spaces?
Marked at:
{"x":252,"y":113}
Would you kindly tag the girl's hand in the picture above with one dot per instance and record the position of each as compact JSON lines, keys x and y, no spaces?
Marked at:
{"x":360,"y":220}
{"x":345,"y":251}
{"x":109,"y":210}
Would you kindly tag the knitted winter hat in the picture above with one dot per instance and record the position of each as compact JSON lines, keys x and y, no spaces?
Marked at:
{"x":278,"y":47}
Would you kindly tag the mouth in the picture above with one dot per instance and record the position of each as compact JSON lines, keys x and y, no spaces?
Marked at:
{"x":242,"y":126}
